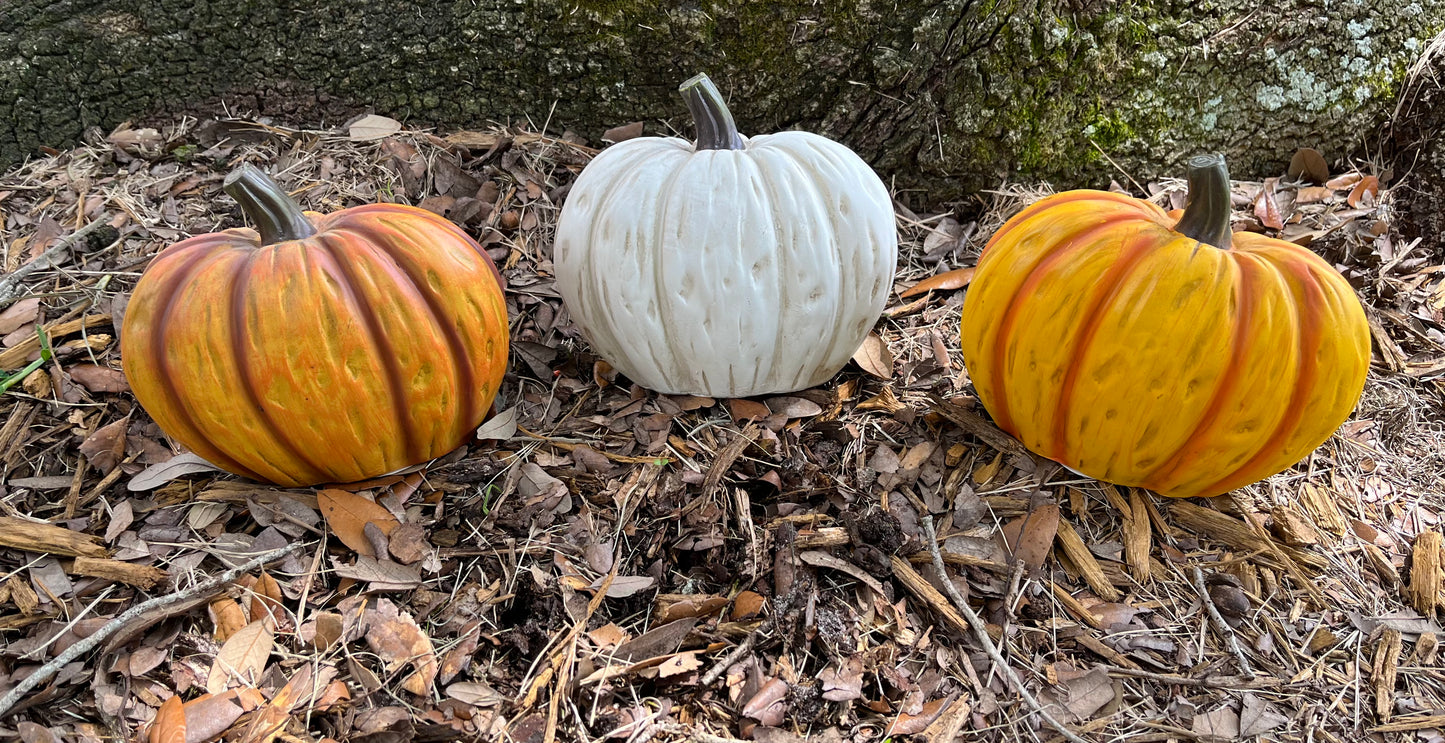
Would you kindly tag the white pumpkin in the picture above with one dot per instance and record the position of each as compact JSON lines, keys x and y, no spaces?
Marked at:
{"x":733,"y":267}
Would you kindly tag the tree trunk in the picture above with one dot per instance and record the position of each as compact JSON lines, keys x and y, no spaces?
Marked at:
{"x":953,"y":95}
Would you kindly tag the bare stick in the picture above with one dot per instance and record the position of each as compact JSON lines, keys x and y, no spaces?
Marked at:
{"x":45,"y":672}
{"x":980,"y":630}
{"x":9,"y":283}
{"x":720,"y":667}
{"x":1220,"y":625}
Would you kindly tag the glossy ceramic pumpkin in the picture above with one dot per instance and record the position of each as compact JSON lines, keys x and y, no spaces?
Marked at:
{"x":728,"y":267}
{"x":1176,"y":357}
{"x":323,"y":348}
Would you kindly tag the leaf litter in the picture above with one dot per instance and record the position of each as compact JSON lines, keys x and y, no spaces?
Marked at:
{"x":604,"y":562}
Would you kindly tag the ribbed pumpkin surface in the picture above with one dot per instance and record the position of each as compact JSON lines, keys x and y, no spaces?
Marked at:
{"x":1104,"y":340}
{"x":377,"y":343}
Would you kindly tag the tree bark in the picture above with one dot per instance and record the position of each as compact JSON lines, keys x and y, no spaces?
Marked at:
{"x":952,"y":95}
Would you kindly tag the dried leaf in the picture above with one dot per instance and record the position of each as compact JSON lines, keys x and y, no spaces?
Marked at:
{"x":169,"y":725}
{"x":1030,"y":537}
{"x":408,"y":543}
{"x":673,"y":606}
{"x":372,"y":127}
{"x":769,"y":704}
{"x":625,"y":585}
{"x":1258,"y":717}
{"x":382,"y":575}
{"x":105,"y":448}
{"x":747,"y":604}
{"x":1220,"y":723}
{"x":1365,"y":193}
{"x":98,"y":378}
{"x":227,"y":616}
{"x":499,"y":427}
{"x":874,"y":357}
{"x":1308,"y":165}
{"x":845,"y":683}
{"x":266,"y":599}
{"x":18,"y":315}
{"x":476,"y":693}
{"x":1266,"y":209}
{"x":348,"y":514}
{"x":180,"y":465}
{"x":747,"y":410}
{"x":398,"y":641}
{"x":679,"y":664}
{"x":794,"y":407}
{"x":906,"y":724}
{"x":623,"y":133}
{"x":946,"y":281}
{"x":241,"y":659}
{"x":1312,"y":194}
{"x":210,"y":715}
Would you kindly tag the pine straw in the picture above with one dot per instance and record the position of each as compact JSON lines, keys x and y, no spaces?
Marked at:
{"x":772,"y":545}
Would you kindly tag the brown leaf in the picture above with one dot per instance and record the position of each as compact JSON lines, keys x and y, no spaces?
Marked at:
{"x":874,"y":357}
{"x":499,"y":427}
{"x":322,"y":631}
{"x":227,"y":616}
{"x":458,"y":658}
{"x":794,"y":407}
{"x":1030,"y":536}
{"x":679,"y":664}
{"x":1365,"y":192}
{"x":1308,"y":165}
{"x":383,"y":575}
{"x":1085,"y":694}
{"x":748,"y":410}
{"x":476,"y":693}
{"x":348,"y":514}
{"x":372,"y":127}
{"x":398,"y":641}
{"x":946,"y":281}
{"x":625,"y":585}
{"x":608,"y":635}
{"x":1220,"y":723}
{"x":105,"y":447}
{"x":266,"y":599}
{"x":1266,"y":209}
{"x":769,"y":705}
{"x":906,"y":724}
{"x":623,"y":133}
{"x":18,"y":315}
{"x":845,"y":683}
{"x":98,"y":378}
{"x":672,"y":607}
{"x":241,"y":659}
{"x":747,"y":604}
{"x":210,"y":715}
{"x":660,"y":640}
{"x":408,"y":543}
{"x":1344,"y":181}
{"x":1312,"y":194}
{"x":169,"y":725}
{"x":1258,"y":717}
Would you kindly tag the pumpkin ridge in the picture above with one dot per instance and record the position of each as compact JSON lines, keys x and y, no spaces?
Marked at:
{"x":166,"y":297}
{"x":1059,"y":199}
{"x":461,"y":360}
{"x":1311,"y":338}
{"x":346,"y":280}
{"x":1107,"y":291}
{"x":1244,"y":302}
{"x":1080,"y":240}
{"x":240,"y":281}
{"x":659,"y":229}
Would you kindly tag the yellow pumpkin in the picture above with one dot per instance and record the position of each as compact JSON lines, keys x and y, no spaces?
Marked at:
{"x":1171,"y":355}
{"x":317,"y":348}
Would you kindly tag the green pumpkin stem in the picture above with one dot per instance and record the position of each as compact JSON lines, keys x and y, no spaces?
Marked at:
{"x":1206,"y":213}
{"x":278,"y":218}
{"x":715,"y":127}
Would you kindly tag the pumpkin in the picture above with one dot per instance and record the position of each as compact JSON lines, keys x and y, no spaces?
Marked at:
{"x":317,"y":348}
{"x":729,"y":267}
{"x":1167,"y":354}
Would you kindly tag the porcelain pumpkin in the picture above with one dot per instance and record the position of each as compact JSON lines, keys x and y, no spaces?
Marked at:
{"x":1167,"y":354}
{"x":317,"y":348}
{"x":728,"y":267}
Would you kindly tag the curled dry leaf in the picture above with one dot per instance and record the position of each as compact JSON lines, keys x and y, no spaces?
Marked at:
{"x":382,"y":575}
{"x":843,"y":683}
{"x":747,"y":605}
{"x":105,"y":448}
{"x":679,"y":664}
{"x":690,"y":605}
{"x":1266,"y":209}
{"x":770,"y":704}
{"x":98,"y":378}
{"x":180,"y":465}
{"x":348,"y":514}
{"x":906,"y":724}
{"x":946,"y":281}
{"x":499,"y":427}
{"x":874,"y":357}
{"x":227,"y":616}
{"x":210,"y":715}
{"x":748,"y":410}
{"x":398,"y":641}
{"x":1365,"y":192}
{"x":242,"y":658}
{"x":169,"y":725}
{"x":1031,"y":536}
{"x":266,"y":599}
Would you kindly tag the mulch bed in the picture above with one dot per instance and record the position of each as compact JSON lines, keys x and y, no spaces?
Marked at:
{"x":610,"y":563}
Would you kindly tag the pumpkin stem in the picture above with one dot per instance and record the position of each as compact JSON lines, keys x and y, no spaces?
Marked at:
{"x":1206,"y":213}
{"x":278,"y":218}
{"x":715,"y":127}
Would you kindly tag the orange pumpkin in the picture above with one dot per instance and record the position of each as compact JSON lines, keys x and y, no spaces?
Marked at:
{"x":1167,"y":354}
{"x":317,"y":348}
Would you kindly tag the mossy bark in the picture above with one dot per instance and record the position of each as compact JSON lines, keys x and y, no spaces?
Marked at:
{"x":956,"y":94}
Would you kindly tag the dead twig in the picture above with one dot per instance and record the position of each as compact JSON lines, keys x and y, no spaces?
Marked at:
{"x":45,"y":672}
{"x":980,"y":630}
{"x":1220,"y":625}
{"x":743,"y":648}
